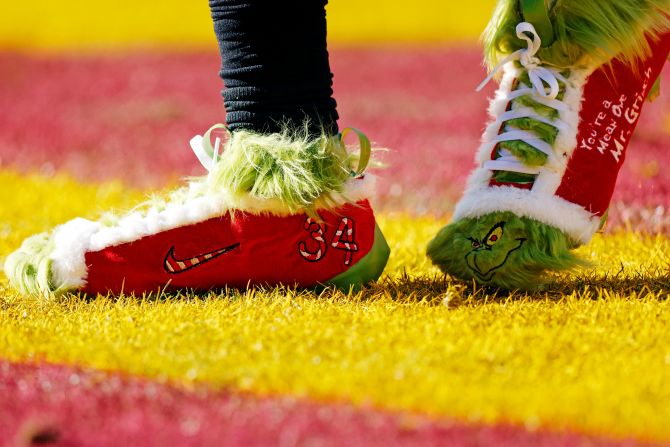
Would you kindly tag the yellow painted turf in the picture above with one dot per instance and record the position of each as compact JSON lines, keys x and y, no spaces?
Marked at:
{"x":591,"y":354}
{"x":82,"y":24}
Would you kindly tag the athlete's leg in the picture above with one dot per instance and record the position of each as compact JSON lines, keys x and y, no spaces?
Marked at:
{"x":275,"y":64}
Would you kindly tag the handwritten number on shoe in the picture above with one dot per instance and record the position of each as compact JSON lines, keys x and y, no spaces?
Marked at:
{"x":343,"y":239}
{"x":316,"y":233}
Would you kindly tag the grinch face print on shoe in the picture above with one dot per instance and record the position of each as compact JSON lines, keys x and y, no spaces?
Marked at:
{"x":491,"y":252}
{"x":500,"y":249}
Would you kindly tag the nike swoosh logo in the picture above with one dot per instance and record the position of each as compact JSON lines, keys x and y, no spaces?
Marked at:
{"x":175,"y":266}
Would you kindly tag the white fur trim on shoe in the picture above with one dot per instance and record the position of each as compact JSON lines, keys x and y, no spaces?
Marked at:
{"x":549,"y":209}
{"x":71,"y":242}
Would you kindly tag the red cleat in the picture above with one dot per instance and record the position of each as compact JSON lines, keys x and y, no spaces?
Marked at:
{"x":215,"y":233}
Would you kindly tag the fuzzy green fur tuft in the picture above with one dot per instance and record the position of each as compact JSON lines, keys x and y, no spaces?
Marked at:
{"x":585,"y":31}
{"x":524,"y":151}
{"x":29,"y":268}
{"x":502,"y":249}
{"x":293,"y":167}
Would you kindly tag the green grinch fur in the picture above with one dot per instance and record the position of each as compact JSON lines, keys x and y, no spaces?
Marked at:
{"x":290,"y":166}
{"x":585,"y":34}
{"x":519,"y":257}
{"x":585,"y":31}
{"x":29,"y":268}
{"x":290,"y":171}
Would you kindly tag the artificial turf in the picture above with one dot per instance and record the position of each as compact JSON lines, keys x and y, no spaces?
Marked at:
{"x":589,"y":354}
{"x":70,"y":406}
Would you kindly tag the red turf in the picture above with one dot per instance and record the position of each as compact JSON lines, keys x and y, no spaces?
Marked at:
{"x":52,"y":405}
{"x":130,"y":117}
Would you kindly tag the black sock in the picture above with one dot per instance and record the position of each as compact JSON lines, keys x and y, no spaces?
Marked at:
{"x":275,"y":64}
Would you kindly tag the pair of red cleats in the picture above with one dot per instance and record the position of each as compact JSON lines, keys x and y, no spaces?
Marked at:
{"x":206,"y":238}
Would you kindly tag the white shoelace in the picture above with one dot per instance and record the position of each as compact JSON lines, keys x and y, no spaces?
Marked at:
{"x":544,"y":90}
{"x":202,"y":147}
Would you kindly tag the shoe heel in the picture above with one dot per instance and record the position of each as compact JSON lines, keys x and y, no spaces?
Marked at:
{"x":368,"y":269}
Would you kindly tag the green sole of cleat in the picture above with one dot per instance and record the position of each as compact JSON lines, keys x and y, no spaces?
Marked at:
{"x":367,"y":269}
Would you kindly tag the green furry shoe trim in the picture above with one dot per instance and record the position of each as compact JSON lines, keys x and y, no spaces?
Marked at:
{"x":48,"y":264}
{"x":585,"y":32}
{"x":281,"y":173}
{"x":504,"y":250}
{"x":29,"y":268}
{"x":292,"y":167}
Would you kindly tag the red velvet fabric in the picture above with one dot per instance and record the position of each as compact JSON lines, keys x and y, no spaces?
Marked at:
{"x":613,"y":99}
{"x":235,"y":252}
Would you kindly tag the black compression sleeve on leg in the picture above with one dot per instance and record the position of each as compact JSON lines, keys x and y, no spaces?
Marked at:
{"x":275,"y":64}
